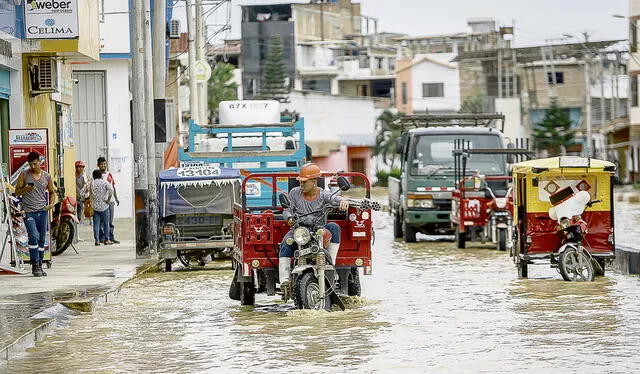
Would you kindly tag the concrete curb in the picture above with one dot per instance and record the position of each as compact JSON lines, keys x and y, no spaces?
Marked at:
{"x":44,"y":322}
{"x":627,"y":260}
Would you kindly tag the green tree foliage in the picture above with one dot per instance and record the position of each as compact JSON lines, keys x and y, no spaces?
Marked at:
{"x":220,"y":86}
{"x":555,"y":131}
{"x":274,"y":80}
{"x":473,"y":104}
{"x":386,"y":136}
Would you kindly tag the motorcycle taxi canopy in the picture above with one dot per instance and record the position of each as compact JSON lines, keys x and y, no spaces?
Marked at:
{"x":204,"y":189}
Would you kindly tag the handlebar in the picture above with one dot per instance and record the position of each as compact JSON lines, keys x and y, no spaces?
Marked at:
{"x":590,"y":203}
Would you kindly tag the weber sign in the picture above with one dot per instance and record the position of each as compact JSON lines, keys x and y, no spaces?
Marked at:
{"x":51,"y":19}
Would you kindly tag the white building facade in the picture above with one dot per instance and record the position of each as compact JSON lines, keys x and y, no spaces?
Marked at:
{"x":101,"y":108}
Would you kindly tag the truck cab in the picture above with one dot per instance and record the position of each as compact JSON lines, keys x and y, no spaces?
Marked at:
{"x":420,"y":201}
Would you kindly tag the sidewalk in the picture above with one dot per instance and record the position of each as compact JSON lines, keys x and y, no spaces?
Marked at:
{"x":29,"y":306}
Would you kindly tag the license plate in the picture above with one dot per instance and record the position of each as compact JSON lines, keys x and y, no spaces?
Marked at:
{"x":189,"y":220}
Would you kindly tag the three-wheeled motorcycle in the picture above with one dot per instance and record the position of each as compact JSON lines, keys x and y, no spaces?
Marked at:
{"x":563,"y":212}
{"x":196,"y":213}
{"x":259,"y":230}
{"x":482,"y":204}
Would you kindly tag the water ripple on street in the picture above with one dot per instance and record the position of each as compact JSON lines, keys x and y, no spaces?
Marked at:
{"x":428,"y":307}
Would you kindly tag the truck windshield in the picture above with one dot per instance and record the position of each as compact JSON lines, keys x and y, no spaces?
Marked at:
{"x":433,"y":155}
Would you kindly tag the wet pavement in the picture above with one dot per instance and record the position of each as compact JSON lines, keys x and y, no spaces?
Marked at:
{"x":76,"y":280}
{"x":428,"y":307}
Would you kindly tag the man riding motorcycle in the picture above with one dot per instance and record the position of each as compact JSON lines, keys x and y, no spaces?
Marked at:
{"x":305,"y":199}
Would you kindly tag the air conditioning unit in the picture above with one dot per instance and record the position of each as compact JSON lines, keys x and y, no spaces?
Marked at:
{"x":43,"y":75}
{"x":174,"y":29}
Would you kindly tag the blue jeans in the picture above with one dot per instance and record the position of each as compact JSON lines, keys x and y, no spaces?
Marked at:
{"x":110,"y":227}
{"x":100,"y":222}
{"x":287,"y":250}
{"x":37,"y":224}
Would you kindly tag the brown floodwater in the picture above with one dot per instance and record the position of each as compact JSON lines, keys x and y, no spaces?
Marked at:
{"x":428,"y":307}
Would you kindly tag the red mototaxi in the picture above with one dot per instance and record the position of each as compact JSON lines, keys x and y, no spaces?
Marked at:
{"x":258,"y":232}
{"x":471,"y":205}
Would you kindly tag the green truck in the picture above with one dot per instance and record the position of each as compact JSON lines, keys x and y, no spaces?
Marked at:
{"x":420,"y":201}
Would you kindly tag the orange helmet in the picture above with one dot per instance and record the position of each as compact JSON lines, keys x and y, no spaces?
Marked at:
{"x":79,"y":164}
{"x":309,"y":171}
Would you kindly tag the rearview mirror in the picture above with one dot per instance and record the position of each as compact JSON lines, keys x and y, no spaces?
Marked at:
{"x":343,"y":184}
{"x":399,"y":145}
{"x":284,"y":200}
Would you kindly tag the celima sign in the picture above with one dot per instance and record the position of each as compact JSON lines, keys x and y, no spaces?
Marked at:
{"x":51,"y":19}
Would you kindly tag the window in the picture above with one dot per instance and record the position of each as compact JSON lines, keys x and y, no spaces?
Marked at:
{"x":559,"y":77}
{"x":404,"y":93}
{"x":433,"y":90}
{"x":317,"y":85}
{"x":634,"y":91}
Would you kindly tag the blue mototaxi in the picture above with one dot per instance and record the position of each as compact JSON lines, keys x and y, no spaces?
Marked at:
{"x":196,"y":212}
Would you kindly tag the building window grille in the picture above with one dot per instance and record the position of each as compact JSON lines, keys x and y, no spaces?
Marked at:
{"x":433,"y":90}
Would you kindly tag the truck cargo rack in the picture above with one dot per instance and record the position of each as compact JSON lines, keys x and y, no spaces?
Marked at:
{"x":234,"y":153}
{"x":462,"y":152}
{"x":457,"y":119}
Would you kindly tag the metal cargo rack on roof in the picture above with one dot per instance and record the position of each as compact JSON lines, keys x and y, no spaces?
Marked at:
{"x":457,"y":119}
{"x":234,"y":153}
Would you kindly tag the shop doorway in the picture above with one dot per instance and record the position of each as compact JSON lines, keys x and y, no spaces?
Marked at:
{"x":90,"y":117}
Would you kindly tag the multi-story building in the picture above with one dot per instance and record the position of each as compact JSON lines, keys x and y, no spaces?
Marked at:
{"x":11,"y":99}
{"x":630,"y":152}
{"x":339,"y":75}
{"x":102,"y":119}
{"x":52,"y":41}
{"x":428,"y":78}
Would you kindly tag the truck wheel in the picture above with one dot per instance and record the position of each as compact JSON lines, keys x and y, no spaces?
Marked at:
{"x":167,"y":264}
{"x":461,"y":239}
{"x":397,"y":226}
{"x":409,"y":233}
{"x":502,"y":240}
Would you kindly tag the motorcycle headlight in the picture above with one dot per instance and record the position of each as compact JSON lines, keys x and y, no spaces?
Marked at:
{"x":302,"y":235}
{"x":501,"y":202}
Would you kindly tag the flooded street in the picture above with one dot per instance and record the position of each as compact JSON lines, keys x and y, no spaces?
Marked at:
{"x":428,"y":307}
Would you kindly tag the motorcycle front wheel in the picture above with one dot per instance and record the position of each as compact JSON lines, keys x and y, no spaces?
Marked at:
{"x":306,"y":294}
{"x":64,"y":236}
{"x":575,"y":266}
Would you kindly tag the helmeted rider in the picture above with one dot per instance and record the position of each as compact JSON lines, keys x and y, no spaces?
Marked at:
{"x":307,"y":198}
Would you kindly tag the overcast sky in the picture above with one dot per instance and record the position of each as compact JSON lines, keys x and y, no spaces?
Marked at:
{"x":535,"y":20}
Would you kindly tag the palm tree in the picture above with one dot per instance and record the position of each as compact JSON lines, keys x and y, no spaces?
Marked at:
{"x":386,"y":136}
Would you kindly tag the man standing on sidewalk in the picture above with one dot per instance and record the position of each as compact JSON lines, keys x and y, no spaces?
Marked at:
{"x":102,"y":166}
{"x":33,"y":185}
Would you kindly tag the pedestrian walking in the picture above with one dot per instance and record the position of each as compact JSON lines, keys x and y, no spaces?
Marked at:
{"x":101,"y":193}
{"x":34,"y":185}
{"x":106,"y":175}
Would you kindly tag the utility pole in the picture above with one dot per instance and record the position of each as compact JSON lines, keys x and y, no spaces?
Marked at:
{"x":200,"y":56}
{"x":140,"y":131}
{"x":603,"y":107}
{"x":193,"y":91}
{"x":587,"y":104}
{"x":159,"y":48}
{"x":152,"y":201}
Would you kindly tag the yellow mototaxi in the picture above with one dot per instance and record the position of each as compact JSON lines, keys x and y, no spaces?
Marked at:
{"x":549,"y":203}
